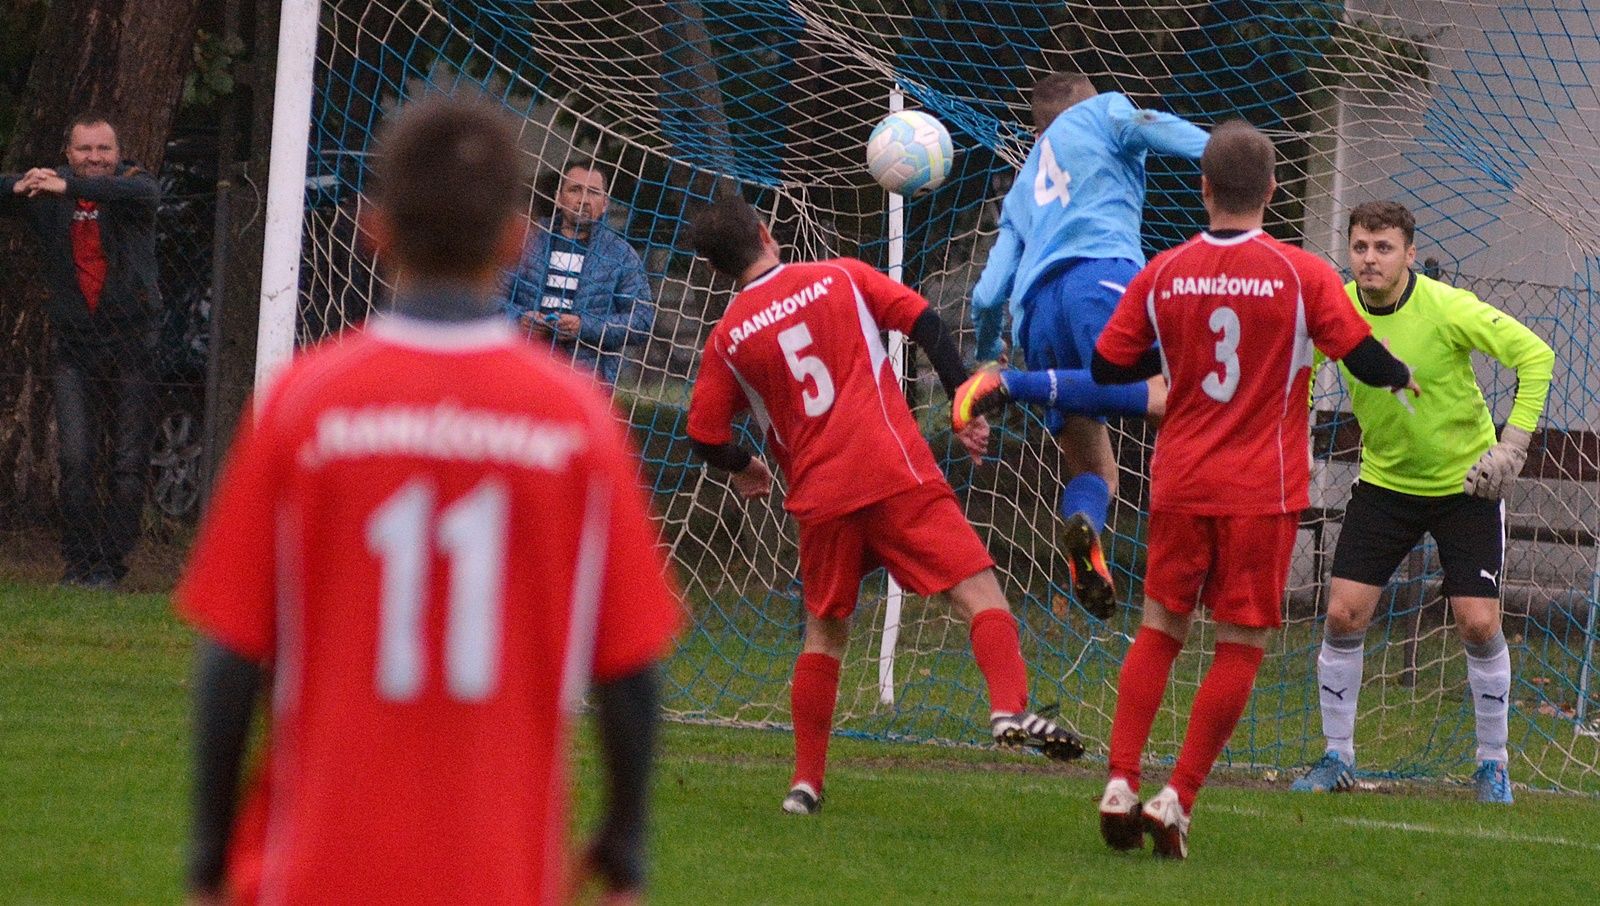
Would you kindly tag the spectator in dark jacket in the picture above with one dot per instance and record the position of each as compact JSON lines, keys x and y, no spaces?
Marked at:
{"x":579,"y":284}
{"x":95,"y":221}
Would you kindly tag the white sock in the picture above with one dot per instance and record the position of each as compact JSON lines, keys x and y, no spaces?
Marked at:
{"x":1338,"y":687}
{"x":1489,"y":676}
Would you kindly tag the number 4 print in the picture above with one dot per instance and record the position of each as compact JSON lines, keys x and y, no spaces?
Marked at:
{"x":1050,"y":183}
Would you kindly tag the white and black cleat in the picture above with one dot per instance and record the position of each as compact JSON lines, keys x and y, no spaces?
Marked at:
{"x":1035,"y":731}
{"x":802,"y":800}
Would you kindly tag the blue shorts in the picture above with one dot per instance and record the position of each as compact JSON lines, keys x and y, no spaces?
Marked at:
{"x":1066,"y":313}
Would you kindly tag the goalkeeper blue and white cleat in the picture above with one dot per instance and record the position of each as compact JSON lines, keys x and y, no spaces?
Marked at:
{"x":1494,"y":784}
{"x":1120,"y":823}
{"x":1167,"y":825}
{"x":1331,"y":774}
{"x":802,"y":800}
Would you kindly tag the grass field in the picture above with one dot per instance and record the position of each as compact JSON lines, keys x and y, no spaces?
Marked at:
{"x":93,"y":773}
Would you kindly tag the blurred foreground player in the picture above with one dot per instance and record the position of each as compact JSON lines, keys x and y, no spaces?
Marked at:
{"x":431,"y":540}
{"x":1236,"y":314}
{"x":800,"y":347}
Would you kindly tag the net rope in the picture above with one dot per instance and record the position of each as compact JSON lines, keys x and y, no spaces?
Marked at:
{"x":1481,"y":117}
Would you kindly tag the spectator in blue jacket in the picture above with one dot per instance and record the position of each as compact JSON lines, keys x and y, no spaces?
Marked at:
{"x":579,"y":284}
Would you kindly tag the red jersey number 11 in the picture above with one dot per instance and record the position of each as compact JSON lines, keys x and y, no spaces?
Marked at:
{"x":472,"y":535}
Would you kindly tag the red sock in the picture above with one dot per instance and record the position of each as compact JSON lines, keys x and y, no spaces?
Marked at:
{"x":998,"y":650}
{"x":1143,"y":681}
{"x":811,"y":700}
{"x":1217,"y":706}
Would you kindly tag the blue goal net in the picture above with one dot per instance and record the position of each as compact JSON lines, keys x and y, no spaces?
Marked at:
{"x":1483,"y":117}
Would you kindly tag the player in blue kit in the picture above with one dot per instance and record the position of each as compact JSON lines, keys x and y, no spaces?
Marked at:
{"x":1068,"y":245}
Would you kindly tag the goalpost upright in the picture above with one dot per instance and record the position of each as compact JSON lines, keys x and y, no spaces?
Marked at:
{"x":286,"y":187}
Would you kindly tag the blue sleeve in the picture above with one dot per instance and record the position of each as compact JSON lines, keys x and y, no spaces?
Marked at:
{"x":511,"y":288}
{"x":993,"y":289}
{"x":1155,"y":130}
{"x":631,"y":315}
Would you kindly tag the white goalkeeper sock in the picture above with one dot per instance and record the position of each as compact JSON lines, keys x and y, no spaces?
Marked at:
{"x":1489,"y":677}
{"x":1338,"y":687}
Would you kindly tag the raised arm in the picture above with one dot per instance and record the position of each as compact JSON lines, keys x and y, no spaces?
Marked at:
{"x":1158,"y":131}
{"x":993,"y":289}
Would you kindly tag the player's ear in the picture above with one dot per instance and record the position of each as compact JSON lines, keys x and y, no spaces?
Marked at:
{"x":1411,"y":254}
{"x":509,"y":244}
{"x":1205,"y":191}
{"x":1272,"y":189}
{"x":374,"y":231}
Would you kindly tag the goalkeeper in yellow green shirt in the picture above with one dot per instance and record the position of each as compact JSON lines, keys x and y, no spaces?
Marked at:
{"x":1438,"y":470}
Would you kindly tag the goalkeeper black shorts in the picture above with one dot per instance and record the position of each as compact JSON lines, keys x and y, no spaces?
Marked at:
{"x":1382,"y":526}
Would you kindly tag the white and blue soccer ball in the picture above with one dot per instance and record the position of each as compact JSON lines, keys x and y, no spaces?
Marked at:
{"x":909,"y":152}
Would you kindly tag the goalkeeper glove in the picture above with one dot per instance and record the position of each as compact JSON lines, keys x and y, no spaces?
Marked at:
{"x":1493,"y":471}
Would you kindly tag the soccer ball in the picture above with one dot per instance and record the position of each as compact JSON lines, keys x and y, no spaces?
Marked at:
{"x":909,"y":152}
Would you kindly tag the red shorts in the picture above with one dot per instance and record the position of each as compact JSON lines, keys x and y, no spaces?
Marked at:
{"x":1236,"y":566}
{"x":920,"y":535}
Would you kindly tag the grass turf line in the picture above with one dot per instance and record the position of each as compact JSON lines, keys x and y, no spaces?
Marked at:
{"x":93,"y":765}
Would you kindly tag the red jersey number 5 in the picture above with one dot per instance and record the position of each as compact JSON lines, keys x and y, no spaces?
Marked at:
{"x":793,"y":341}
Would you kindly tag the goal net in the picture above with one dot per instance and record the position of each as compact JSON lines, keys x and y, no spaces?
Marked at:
{"x":1480,"y":116}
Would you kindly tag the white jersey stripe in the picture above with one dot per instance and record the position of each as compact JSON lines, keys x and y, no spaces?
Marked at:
{"x":758,"y":406}
{"x":588,"y":575}
{"x":879,"y":357}
{"x":1299,"y":356}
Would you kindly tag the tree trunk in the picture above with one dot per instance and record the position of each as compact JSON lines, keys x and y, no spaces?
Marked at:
{"x":126,"y":59}
{"x":240,"y":306}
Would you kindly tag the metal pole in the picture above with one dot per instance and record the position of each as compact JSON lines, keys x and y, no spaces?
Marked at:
{"x":895,"y":599}
{"x":286,"y":187}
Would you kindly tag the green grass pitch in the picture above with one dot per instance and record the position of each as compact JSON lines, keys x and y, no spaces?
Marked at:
{"x":93,"y":743}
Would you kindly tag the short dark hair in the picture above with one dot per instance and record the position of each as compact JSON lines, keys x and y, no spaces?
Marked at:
{"x":88,"y":118}
{"x":585,"y":163}
{"x":449,"y":176}
{"x":1381,"y":215}
{"x":1055,"y":93}
{"x":727,"y":233}
{"x":1238,"y":163}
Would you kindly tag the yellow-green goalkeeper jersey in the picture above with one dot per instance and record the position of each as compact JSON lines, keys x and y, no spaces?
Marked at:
{"x":1434,"y":330}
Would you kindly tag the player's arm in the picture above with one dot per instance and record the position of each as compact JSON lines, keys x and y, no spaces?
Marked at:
{"x":929,"y":333}
{"x":1339,"y":333}
{"x":1371,"y":363}
{"x":639,"y":614}
{"x":1477,"y":325}
{"x":713,"y":403}
{"x":226,"y":688}
{"x":993,"y":289}
{"x":1156,"y":130}
{"x":626,"y":720}
{"x":1482,"y":327}
{"x":1125,"y":353}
